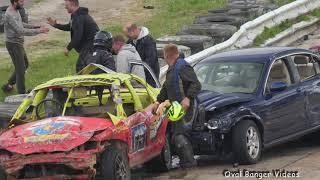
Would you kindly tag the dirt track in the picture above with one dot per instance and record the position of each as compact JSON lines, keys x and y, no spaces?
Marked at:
{"x":302,"y":155}
{"x":313,"y":39}
{"x":28,"y":3}
{"x":105,"y":12}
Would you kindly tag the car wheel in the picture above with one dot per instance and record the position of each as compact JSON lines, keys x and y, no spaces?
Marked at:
{"x":196,"y":43}
{"x":209,"y":29}
{"x":163,"y":162}
{"x":218,"y":10}
{"x":15,"y":98}
{"x":246,"y":142}
{"x":182,"y":49}
{"x":218,"y":32}
{"x":226,"y":20}
{"x":115,"y":165}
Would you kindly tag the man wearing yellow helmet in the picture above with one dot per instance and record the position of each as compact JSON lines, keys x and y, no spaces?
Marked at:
{"x":181,"y":87}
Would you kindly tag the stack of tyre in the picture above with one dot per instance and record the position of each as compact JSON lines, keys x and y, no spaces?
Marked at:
{"x":2,"y":12}
{"x":215,"y":27}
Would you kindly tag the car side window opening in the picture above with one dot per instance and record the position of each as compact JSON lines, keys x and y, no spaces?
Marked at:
{"x":92,"y":101}
{"x":136,"y":84}
{"x":305,"y":65}
{"x":142,"y":93}
{"x":279,"y":73}
{"x":86,"y":101}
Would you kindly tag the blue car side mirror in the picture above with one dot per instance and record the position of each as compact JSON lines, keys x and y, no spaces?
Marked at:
{"x":278,"y":86}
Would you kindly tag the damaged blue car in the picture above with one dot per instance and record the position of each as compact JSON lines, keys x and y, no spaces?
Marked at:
{"x":253,"y":99}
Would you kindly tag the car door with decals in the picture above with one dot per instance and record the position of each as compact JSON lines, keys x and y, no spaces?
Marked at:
{"x":147,"y":131}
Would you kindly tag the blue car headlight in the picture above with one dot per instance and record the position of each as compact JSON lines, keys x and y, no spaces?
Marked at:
{"x":219,"y":123}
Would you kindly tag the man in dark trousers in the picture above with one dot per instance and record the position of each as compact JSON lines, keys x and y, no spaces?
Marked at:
{"x":83,"y":28}
{"x":140,"y":38}
{"x":181,"y":85}
{"x":15,"y":30}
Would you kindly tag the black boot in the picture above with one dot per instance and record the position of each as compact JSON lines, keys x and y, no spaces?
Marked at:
{"x":7,"y":88}
{"x":185,"y":151}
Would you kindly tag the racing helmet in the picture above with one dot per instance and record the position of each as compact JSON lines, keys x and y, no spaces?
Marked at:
{"x":104,"y":39}
{"x":175,"y":112}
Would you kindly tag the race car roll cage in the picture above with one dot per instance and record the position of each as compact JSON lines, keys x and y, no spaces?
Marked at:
{"x":39,"y":94}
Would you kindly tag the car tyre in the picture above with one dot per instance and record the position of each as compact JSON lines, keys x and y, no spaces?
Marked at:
{"x":163,"y":162}
{"x":196,"y":43}
{"x":15,"y":98}
{"x":246,"y":142}
{"x":115,"y":165}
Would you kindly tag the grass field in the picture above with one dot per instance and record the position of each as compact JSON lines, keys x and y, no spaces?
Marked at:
{"x":2,"y":43}
{"x":282,"y":2}
{"x":169,"y":16}
{"x":47,"y":60}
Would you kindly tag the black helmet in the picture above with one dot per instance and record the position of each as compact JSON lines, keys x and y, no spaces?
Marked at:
{"x":104,"y":39}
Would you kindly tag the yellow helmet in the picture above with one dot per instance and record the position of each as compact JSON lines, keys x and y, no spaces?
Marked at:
{"x":175,"y":112}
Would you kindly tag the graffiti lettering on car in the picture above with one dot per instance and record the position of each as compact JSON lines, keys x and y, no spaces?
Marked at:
{"x":120,"y":129}
{"x":45,"y":138}
{"x":48,"y":128}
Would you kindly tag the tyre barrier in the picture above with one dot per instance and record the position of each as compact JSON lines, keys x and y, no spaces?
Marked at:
{"x":196,"y":43}
{"x":245,"y":36}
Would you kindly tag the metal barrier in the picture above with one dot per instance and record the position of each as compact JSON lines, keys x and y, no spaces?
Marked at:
{"x":245,"y":36}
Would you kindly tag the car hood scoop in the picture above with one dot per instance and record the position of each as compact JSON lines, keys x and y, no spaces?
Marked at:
{"x":213,"y":100}
{"x":58,"y":134}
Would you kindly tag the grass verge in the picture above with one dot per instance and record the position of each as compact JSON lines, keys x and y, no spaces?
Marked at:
{"x":55,"y":65}
{"x":281,"y":2}
{"x":269,"y":33}
{"x":2,"y":43}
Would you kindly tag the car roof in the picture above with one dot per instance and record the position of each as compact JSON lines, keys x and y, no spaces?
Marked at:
{"x":258,"y":55}
{"x":87,"y":80}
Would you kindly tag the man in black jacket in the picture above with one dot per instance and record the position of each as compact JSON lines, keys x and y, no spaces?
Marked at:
{"x":181,"y":85}
{"x":140,"y":38}
{"x":83,"y":29}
